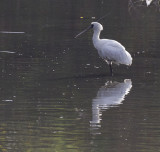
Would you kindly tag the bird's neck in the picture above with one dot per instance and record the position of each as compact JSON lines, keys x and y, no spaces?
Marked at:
{"x":96,"y":35}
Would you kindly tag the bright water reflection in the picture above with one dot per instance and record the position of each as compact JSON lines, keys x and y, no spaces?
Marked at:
{"x":110,"y":95}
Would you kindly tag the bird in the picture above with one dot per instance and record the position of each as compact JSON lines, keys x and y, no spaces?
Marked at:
{"x":111,"y":51}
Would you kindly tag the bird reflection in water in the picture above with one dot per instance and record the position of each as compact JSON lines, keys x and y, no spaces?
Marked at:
{"x":110,"y":95}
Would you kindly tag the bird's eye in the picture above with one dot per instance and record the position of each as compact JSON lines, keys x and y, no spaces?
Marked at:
{"x":92,"y":25}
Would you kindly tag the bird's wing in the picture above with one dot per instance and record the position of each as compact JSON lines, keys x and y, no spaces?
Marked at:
{"x":113,"y":51}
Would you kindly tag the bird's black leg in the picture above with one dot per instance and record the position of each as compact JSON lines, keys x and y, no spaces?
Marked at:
{"x":110,"y":67}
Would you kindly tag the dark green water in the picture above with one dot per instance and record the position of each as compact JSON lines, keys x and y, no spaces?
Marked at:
{"x":56,"y":94}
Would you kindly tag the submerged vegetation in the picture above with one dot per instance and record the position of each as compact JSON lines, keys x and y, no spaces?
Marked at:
{"x":139,"y":4}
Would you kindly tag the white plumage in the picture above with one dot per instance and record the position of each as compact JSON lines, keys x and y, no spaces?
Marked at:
{"x":109,"y":50}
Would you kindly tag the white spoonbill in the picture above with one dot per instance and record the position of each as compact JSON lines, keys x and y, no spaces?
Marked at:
{"x":109,"y":50}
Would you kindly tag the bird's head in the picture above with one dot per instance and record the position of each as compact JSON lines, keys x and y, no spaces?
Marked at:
{"x":94,"y":25}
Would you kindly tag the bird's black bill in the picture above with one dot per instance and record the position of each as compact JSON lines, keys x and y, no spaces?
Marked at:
{"x":83,"y":31}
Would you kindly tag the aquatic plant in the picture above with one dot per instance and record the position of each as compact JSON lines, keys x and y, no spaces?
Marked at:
{"x":139,"y":4}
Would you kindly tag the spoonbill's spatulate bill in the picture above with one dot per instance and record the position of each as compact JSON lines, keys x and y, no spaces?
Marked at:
{"x":109,"y":50}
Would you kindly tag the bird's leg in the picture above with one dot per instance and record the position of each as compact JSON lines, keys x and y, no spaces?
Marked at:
{"x":110,"y":67}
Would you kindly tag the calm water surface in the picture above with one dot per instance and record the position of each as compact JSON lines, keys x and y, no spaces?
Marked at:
{"x":57,"y":94}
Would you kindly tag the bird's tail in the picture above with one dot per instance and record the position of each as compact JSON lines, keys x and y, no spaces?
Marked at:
{"x":128,"y":59}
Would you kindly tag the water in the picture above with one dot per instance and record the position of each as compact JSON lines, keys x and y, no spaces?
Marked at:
{"x":57,"y":94}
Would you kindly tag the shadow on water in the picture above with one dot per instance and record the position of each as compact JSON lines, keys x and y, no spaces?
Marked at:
{"x":81,"y":76}
{"x":93,"y":75}
{"x":110,"y":95}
